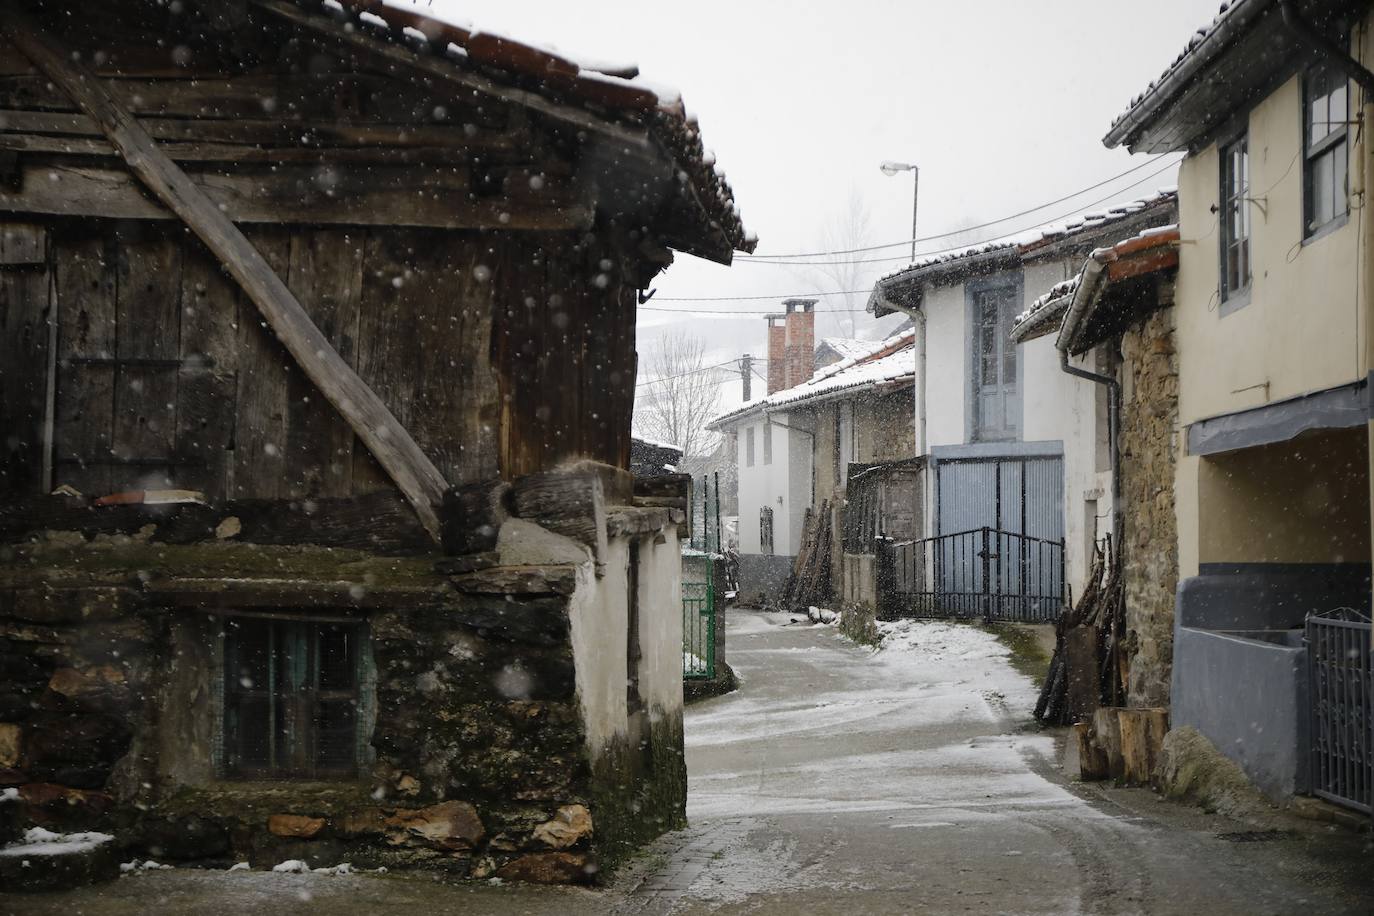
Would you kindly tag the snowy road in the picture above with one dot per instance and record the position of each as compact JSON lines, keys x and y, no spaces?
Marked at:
{"x":839,"y":780}
{"x":842,"y":781}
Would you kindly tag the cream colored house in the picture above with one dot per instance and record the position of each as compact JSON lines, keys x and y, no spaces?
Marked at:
{"x":1273,"y":334}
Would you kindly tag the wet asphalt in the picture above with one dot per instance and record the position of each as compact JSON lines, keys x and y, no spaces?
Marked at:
{"x":840,"y":780}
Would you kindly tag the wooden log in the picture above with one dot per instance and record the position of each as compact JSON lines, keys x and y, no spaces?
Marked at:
{"x":1092,"y":759}
{"x":472,"y":515}
{"x":417,"y":478}
{"x":569,"y":502}
{"x":1081,"y":666}
{"x":661,"y":502}
{"x":1107,"y":736}
{"x":1142,"y":737}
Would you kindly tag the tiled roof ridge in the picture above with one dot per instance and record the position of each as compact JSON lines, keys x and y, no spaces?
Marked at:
{"x":1049,"y":232}
{"x":606,"y":91}
{"x":882,"y":350}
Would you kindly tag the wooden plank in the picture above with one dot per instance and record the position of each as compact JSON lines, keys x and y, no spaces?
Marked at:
{"x":330,"y":96}
{"x":282,"y":135}
{"x":23,"y":244}
{"x":1142,"y":739}
{"x":84,"y":425}
{"x":326,"y":274}
{"x":259,"y":470}
{"x":148,"y":320}
{"x":207,"y":383}
{"x":416,"y":476}
{"x":436,"y":198}
{"x":25,"y":342}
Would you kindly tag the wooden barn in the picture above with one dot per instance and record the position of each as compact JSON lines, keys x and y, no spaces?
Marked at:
{"x":318,"y":538}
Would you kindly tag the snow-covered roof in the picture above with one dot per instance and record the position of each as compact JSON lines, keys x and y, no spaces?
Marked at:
{"x":1229,"y":14}
{"x":616,"y":93}
{"x":846,"y":347}
{"x":1031,"y":243}
{"x":1050,"y":308}
{"x":892,"y":360}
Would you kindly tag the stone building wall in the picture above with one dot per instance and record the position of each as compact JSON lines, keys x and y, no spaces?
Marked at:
{"x":477,"y":754}
{"x":1149,"y":452}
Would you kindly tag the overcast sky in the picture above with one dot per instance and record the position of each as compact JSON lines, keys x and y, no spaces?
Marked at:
{"x":1002,"y":103}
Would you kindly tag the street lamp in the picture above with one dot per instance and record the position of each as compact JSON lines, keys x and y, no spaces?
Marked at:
{"x":891,"y":168}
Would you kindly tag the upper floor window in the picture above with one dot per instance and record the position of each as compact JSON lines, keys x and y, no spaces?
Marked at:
{"x":1326,"y":167}
{"x":996,"y":398}
{"x":767,"y":441}
{"x":749,"y":447}
{"x":1235,"y":218}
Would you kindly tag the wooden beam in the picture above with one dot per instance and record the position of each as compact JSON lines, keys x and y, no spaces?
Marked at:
{"x":428,"y":198}
{"x":416,"y":476}
{"x":633,"y":139}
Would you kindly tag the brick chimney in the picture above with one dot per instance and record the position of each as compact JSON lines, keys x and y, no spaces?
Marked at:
{"x":777,"y":344}
{"x":800,"y":345}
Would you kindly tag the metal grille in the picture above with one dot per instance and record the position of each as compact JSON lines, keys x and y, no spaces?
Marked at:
{"x":699,"y":627}
{"x":1342,"y":720}
{"x":983,"y":572}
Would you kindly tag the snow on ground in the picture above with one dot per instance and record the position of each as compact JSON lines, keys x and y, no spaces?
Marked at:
{"x":931,"y":721}
{"x":40,"y":842}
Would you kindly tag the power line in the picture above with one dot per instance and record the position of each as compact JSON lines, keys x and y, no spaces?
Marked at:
{"x":939,"y":251}
{"x":999,"y":220}
{"x":853,"y":292}
{"x":669,"y":378}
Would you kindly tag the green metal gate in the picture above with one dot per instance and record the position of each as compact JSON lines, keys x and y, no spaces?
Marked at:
{"x":698,"y":580}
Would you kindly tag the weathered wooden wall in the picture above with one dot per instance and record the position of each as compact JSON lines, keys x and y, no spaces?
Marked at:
{"x":500,"y":352}
{"x":444,"y":242}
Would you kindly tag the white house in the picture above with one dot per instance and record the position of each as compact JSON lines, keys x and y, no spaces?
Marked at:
{"x":1009,"y":436}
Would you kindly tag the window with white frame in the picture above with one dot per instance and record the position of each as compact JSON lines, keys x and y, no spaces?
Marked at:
{"x":749,"y":447}
{"x":1326,"y":164}
{"x":767,"y":441}
{"x":1235,"y":218}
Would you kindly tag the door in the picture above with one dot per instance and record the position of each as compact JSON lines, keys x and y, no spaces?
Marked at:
{"x":996,"y":399}
{"x":1021,"y":499}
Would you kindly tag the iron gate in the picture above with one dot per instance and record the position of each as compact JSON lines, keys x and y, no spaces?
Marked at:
{"x":699,"y":579}
{"x":1342,"y":708}
{"x":983,"y":572}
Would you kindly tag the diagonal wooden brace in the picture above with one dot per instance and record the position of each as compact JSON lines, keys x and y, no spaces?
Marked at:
{"x":418,"y":479}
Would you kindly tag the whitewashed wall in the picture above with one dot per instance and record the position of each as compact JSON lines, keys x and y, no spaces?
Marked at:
{"x":784,"y":484}
{"x":1056,"y":407}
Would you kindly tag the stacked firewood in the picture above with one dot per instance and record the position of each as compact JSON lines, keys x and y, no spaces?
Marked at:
{"x":1089,"y":666}
{"x":809,"y":581}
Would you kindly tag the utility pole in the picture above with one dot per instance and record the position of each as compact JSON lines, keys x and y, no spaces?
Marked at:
{"x":746,"y":370}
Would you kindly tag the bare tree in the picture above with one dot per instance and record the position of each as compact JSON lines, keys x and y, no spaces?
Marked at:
{"x":679,"y":395}
{"x":846,"y":272}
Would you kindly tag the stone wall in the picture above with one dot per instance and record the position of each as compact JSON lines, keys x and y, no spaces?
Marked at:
{"x":1149,"y":452}
{"x":477,"y":760}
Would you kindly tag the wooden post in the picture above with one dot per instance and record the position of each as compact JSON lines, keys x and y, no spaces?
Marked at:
{"x":418,"y":479}
{"x":1107,"y":736}
{"x":1092,"y":759}
{"x":1142,"y":736}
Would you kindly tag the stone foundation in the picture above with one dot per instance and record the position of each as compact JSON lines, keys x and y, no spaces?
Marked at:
{"x":476,"y":758}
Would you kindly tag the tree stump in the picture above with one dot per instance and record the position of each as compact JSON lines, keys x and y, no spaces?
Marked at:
{"x":1092,"y":760}
{"x":1107,"y":736}
{"x":1142,"y":737}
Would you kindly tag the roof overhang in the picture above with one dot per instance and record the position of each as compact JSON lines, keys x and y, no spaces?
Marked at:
{"x":1116,"y":286}
{"x":1245,"y":54}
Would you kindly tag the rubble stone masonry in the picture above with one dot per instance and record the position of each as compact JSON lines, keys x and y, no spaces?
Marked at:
{"x":1149,"y":451}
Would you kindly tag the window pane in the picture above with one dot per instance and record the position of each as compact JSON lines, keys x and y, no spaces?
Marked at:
{"x":1318,"y":119}
{"x":338,"y":670}
{"x":247,"y":653}
{"x":336,"y":732}
{"x":1322,"y":190}
{"x":1341,"y":185}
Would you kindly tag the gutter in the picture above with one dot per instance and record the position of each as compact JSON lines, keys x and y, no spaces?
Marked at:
{"x":1088,"y":285}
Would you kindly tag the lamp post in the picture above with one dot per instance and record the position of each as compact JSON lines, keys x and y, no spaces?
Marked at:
{"x":891,"y":168}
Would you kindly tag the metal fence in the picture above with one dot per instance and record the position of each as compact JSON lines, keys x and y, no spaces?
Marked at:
{"x":983,"y":572}
{"x":1342,"y":711}
{"x":698,"y":579}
